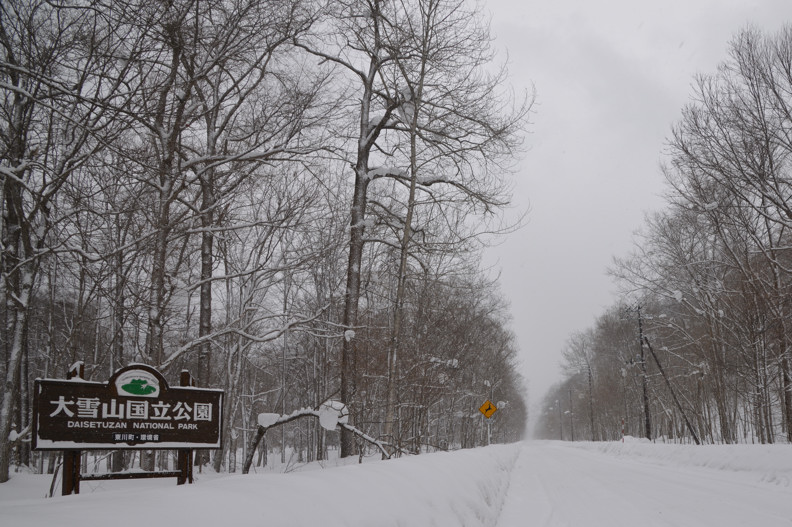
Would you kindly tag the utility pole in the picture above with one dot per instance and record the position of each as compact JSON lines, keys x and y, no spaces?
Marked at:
{"x":560,"y":421}
{"x":591,"y":398}
{"x":571,"y":416}
{"x":673,"y":393}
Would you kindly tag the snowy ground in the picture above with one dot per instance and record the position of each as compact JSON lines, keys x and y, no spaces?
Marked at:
{"x":535,"y":484}
{"x":649,"y":484}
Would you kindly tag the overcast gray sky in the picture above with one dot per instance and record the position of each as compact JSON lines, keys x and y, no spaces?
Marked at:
{"x":611,"y":78}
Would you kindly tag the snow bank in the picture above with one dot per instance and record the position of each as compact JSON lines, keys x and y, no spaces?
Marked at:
{"x":564,"y":484}
{"x":462,"y":488}
{"x":768,"y":463}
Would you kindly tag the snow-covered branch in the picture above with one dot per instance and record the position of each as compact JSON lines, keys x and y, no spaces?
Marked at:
{"x":267,"y":336}
{"x":331,"y":415}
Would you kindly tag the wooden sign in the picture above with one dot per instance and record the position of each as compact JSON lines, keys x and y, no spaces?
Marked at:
{"x":135,"y":409}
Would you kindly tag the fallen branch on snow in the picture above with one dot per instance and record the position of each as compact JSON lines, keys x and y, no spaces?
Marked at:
{"x":298,"y":414}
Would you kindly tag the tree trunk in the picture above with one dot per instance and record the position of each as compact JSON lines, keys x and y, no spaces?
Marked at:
{"x":11,"y":386}
{"x":18,"y":267}
{"x":395,"y":337}
{"x":644,"y":381}
{"x":207,"y":268}
{"x":787,"y":399}
{"x":352,"y":294}
{"x":591,"y":401}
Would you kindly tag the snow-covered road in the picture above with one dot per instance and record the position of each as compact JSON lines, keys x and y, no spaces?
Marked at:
{"x":554,"y":484}
{"x":532,"y":484}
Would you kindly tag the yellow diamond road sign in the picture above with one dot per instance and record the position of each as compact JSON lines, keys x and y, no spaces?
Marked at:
{"x":488,"y":409}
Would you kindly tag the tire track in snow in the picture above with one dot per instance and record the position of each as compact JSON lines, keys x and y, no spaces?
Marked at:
{"x":556,"y":485}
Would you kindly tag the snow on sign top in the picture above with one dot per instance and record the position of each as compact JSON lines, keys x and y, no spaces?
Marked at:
{"x":488,"y":409}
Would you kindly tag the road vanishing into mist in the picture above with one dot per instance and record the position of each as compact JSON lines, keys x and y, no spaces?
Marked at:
{"x":555,"y":485}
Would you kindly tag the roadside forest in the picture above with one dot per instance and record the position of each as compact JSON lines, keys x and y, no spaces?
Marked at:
{"x":287,"y":198}
{"x":698,"y":348}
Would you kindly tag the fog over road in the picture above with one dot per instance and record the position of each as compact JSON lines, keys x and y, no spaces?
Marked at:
{"x":557,"y":485}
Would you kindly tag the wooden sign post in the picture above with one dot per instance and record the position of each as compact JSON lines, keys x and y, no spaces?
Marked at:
{"x":134,"y":409}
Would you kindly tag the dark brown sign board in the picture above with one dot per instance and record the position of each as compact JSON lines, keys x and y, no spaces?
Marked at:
{"x":134,"y":409}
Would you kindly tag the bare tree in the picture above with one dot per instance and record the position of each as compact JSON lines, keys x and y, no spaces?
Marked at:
{"x":59,"y":101}
{"x":420,"y":72}
{"x":578,"y":357}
